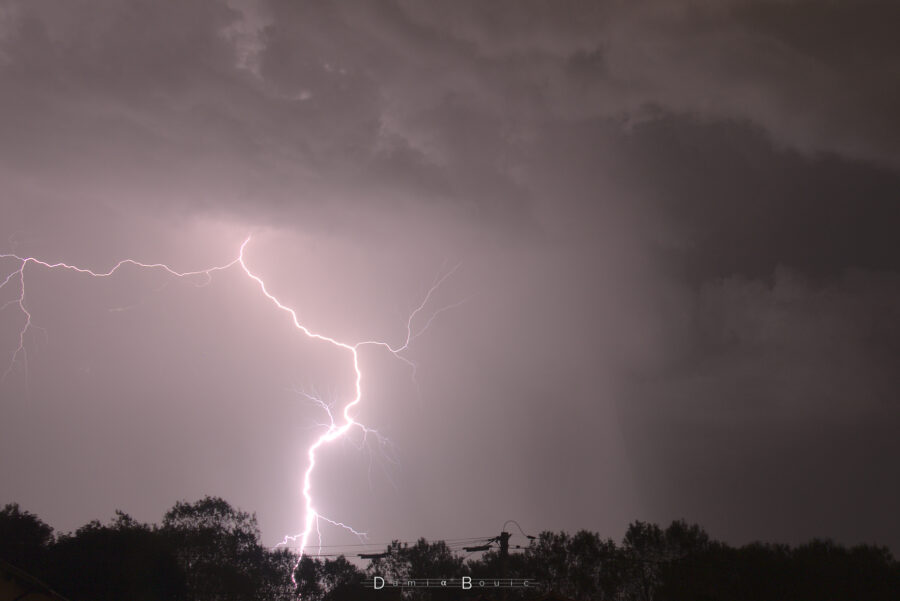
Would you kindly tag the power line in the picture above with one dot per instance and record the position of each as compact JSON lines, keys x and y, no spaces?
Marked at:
{"x":360,"y":549}
{"x":470,"y":545}
{"x":342,"y":546}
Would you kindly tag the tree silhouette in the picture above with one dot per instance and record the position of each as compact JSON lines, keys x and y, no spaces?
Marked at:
{"x":121,"y":560}
{"x":218,"y":548}
{"x":24,"y":539}
{"x":332,"y":580}
{"x":582,"y":566}
{"x":211,"y":551}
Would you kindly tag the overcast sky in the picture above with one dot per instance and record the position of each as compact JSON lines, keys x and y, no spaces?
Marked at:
{"x":675,"y":224}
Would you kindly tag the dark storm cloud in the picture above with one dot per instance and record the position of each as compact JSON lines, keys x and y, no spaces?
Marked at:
{"x":779,"y":405}
{"x":816,"y":76}
{"x":737,"y":204}
{"x":680,"y":218}
{"x":402,"y":100}
{"x":134,"y":87}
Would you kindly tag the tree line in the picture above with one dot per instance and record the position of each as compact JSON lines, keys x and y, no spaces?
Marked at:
{"x":211,"y":551}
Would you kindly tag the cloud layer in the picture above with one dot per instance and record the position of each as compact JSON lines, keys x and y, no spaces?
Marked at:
{"x":676,"y":223}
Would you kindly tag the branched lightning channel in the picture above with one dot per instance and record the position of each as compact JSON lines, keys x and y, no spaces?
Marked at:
{"x":20,"y":301}
{"x":334,"y":430}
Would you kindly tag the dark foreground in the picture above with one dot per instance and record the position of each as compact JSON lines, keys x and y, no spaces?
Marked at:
{"x":209,"y":550}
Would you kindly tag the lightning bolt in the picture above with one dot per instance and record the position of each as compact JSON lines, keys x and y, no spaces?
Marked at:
{"x":334,"y":430}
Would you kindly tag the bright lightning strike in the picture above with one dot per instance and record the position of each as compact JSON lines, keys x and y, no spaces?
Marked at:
{"x":337,"y":428}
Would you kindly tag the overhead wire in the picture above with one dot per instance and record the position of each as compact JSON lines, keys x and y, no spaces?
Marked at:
{"x":354,"y":549}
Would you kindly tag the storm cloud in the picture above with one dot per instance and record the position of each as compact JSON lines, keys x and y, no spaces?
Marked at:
{"x":675,"y":223}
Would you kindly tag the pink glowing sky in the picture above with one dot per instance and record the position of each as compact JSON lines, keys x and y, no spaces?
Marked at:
{"x":674,"y":225}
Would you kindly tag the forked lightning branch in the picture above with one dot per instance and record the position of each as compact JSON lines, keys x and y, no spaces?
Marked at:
{"x":15,"y":278}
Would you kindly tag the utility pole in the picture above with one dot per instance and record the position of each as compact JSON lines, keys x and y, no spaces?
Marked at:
{"x":503,"y":540}
{"x":504,"y":552}
{"x":504,"y":558}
